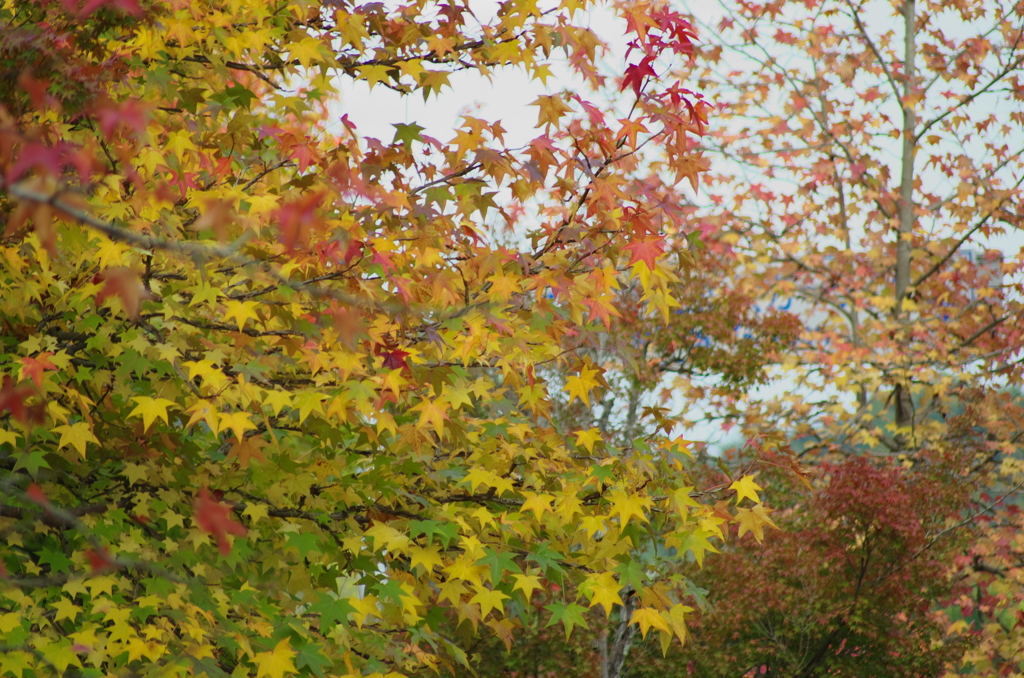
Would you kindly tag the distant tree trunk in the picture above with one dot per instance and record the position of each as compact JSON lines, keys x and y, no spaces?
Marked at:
{"x":614,"y":645}
{"x":903,"y":405}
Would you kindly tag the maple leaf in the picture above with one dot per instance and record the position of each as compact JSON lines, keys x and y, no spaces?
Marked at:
{"x":588,"y":438}
{"x":646,"y":251}
{"x":637,"y":74}
{"x":754,"y":521}
{"x":33,"y":368}
{"x":603,"y":590}
{"x":246,"y":450}
{"x":527,"y":583}
{"x":648,"y":618}
{"x":628,"y":505}
{"x":100,"y":560}
{"x":12,"y":399}
{"x":237,"y":422}
{"x":569,"y":614}
{"x":151,"y":409}
{"x":395,"y":359}
{"x":488,"y":599}
{"x":433,"y":414}
{"x":277,"y":662}
{"x":125,"y":284}
{"x":551,"y":109}
{"x":296,"y":219}
{"x":579,"y":386}
{"x":746,"y":487}
{"x":77,"y":435}
{"x":214,"y":518}
{"x":629,"y":129}
{"x":131,"y":114}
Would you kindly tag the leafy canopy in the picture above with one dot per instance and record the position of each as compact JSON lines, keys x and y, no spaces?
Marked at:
{"x":271,"y":402}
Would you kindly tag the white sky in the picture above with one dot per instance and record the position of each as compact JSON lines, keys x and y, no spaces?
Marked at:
{"x":505,"y":96}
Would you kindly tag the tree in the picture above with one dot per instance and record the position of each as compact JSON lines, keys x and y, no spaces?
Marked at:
{"x":848,"y":585}
{"x":870,"y":179}
{"x":717,"y":333}
{"x":273,"y":400}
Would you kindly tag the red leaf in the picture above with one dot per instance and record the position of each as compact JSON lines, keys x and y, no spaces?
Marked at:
{"x":123,"y":283}
{"x":395,"y":360}
{"x":35,"y":494}
{"x":355,"y":247}
{"x":637,"y":73}
{"x":33,"y":368}
{"x":306,"y":155}
{"x":100,"y":561}
{"x":12,"y":399}
{"x":215,"y":518}
{"x":647,"y":250}
{"x":36,"y":90}
{"x":297,"y":218}
{"x":130,"y":114}
{"x":89,"y":6}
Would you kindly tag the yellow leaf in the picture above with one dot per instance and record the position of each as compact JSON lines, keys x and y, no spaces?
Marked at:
{"x":306,"y":51}
{"x":581,"y":385}
{"x":241,"y":311}
{"x":385,"y":536}
{"x":676,"y":618}
{"x":8,"y":437}
{"x":15,"y":662}
{"x":255,"y":511}
{"x":627,"y":505}
{"x":538,"y":503}
{"x":457,"y":396}
{"x":480,"y":476}
{"x":488,"y":600}
{"x":432,"y":414}
{"x":9,"y":622}
{"x":277,"y":662}
{"x":603,"y":590}
{"x":413,"y":68}
{"x":552,"y":108}
{"x":746,"y":487}
{"x":150,"y":409}
{"x":648,"y":617}
{"x":150,"y":649}
{"x":588,"y":438}
{"x":753,"y":521}
{"x":309,"y":402}
{"x":237,"y":422}
{"x":278,"y":400}
{"x":375,"y":74}
{"x":65,"y":609}
{"x":428,"y":557}
{"x":364,"y":607}
{"x":527,"y":583}
{"x":76,"y":435}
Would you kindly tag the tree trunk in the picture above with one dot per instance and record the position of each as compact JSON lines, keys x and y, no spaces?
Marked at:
{"x":905,"y":211}
{"x":614,"y":646}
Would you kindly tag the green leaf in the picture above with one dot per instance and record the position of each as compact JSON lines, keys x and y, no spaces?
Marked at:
{"x":571,"y":616}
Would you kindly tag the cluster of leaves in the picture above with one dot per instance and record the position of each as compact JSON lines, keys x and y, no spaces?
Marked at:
{"x":870,"y":168}
{"x":272,"y":398}
{"x":847,"y":587}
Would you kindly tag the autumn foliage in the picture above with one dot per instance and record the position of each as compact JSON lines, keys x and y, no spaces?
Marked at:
{"x":274,"y":399}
